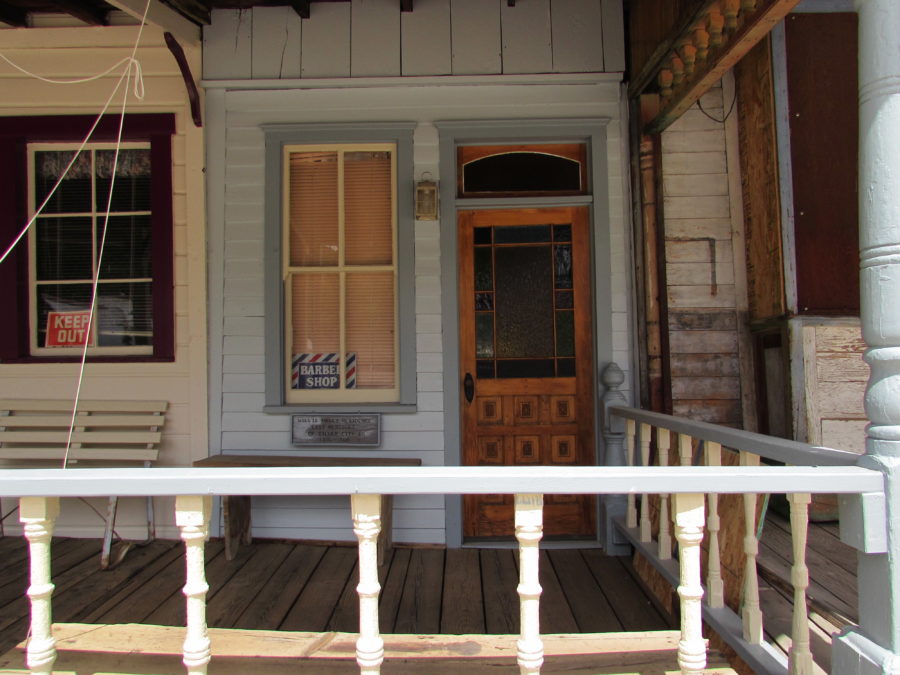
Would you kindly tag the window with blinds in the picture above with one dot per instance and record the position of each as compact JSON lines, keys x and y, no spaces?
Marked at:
{"x":340,"y":273}
{"x":73,"y":240}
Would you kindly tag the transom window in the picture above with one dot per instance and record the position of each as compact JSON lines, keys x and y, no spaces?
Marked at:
{"x":536,"y":169}
{"x":339,"y":264}
{"x":65,"y":250}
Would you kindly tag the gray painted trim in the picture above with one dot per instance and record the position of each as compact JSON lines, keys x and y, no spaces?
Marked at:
{"x":453,"y":133}
{"x":763,"y":658}
{"x":770,"y":447}
{"x":431,"y":480}
{"x":824,"y":6}
{"x":413,"y":81}
{"x":276,"y":137}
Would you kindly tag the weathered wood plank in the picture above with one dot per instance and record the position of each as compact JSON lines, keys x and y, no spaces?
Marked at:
{"x":589,"y":605}
{"x":276,"y":36}
{"x":577,"y":36}
{"x":227,"y":45}
{"x":374,"y":38}
{"x":526,"y":37}
{"x":462,"y":609}
{"x":425,"y":39}
{"x":475,"y":27}
{"x":325,"y":48}
{"x":392,"y":590}
{"x":556,"y":617}
{"x":500,"y":578}
{"x":317,"y":600}
{"x":631,"y":606}
{"x":704,"y":365}
{"x":613,"y":26}
{"x":420,"y":606}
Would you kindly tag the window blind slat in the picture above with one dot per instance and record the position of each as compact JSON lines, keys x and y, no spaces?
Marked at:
{"x":370,"y":327}
{"x":313,"y":184}
{"x":367,"y":208}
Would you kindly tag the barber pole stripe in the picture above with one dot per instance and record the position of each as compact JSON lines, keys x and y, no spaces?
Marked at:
{"x":351,"y":370}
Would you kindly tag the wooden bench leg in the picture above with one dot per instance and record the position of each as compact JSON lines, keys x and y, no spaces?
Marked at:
{"x":386,"y":536}
{"x":111,"y":508}
{"x":236,"y":522}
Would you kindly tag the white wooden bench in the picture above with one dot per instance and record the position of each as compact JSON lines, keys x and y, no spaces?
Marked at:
{"x":236,"y":508}
{"x":34,"y":433}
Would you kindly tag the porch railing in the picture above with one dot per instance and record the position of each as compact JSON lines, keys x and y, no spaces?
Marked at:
{"x":687,"y":489}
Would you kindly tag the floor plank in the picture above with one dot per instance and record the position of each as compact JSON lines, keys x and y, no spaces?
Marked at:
{"x":392,"y":590}
{"x":590,"y":607}
{"x":556,"y":615}
{"x":462,"y":611}
{"x":317,"y":600}
{"x":499,"y":578}
{"x":632,"y":608}
{"x":420,"y":605}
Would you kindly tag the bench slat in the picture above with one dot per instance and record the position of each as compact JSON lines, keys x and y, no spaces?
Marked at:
{"x":107,"y":437}
{"x":48,"y":421}
{"x":62,"y":405}
{"x":110,"y":455}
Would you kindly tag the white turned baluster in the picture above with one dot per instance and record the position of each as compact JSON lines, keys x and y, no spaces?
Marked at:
{"x":646,"y":534}
{"x":689,"y":533}
{"x":37,"y":515}
{"x":800,"y":660}
{"x":631,"y":513}
{"x":366,"y":511}
{"x":529,"y":530}
{"x":714,"y":572}
{"x":751,"y":614}
{"x":192,"y":518}
{"x":685,"y":449}
{"x":663,"y":443}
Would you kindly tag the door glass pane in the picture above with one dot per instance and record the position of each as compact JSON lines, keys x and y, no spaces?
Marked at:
{"x":484,"y":270}
{"x":484,"y":335}
{"x":563,"y":255}
{"x":484,"y":369}
{"x":313,"y":208}
{"x":522,"y":234}
{"x":525,"y":368}
{"x":565,"y":333}
{"x":523,"y":299}
{"x":484,"y":302}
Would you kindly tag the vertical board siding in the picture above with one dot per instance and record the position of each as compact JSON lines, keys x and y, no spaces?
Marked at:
{"x":475,"y":34}
{"x":276,"y":34}
{"x":325,"y":49}
{"x":576,"y":25}
{"x":425,"y":39}
{"x":703,"y":318}
{"x":526,"y":37}
{"x":374,"y":38}
{"x":81,"y":52}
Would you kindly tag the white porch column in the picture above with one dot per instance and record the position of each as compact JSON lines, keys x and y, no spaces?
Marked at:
{"x":38,"y":515}
{"x":875,"y":646}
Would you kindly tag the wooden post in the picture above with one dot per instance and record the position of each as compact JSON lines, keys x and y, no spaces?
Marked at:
{"x":663,"y":443}
{"x":366,"y":526}
{"x":751,"y":615}
{"x":614,"y":507}
{"x":646,"y":534}
{"x":529,"y":530}
{"x":192,"y":514}
{"x":713,"y":524}
{"x":689,"y":533}
{"x":38,"y":515}
{"x":631,"y":518}
{"x":800,"y":660}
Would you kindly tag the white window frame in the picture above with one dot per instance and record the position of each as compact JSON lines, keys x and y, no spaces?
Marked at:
{"x":342,"y":269}
{"x":97,"y":216}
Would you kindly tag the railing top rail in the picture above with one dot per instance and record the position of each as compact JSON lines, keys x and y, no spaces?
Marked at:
{"x":770,"y":447}
{"x":436,"y":480}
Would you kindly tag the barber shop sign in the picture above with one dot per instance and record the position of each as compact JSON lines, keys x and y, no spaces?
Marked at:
{"x":322,"y":370}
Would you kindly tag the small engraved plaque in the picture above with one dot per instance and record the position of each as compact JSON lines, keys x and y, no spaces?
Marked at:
{"x":344,"y":429}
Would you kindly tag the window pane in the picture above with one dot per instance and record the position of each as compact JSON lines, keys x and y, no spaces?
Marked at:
{"x":313,"y":208}
{"x":367,"y":209}
{"x":74,"y":193}
{"x":59,"y":298}
{"x":126,"y":253}
{"x":522,"y":172}
{"x":370,"y":328}
{"x":132,"y":186}
{"x":522,"y":234}
{"x":314,"y":317}
{"x":125,"y":314}
{"x":63,"y":249}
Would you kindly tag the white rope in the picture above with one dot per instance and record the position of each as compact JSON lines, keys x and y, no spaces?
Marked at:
{"x":131,"y":61}
{"x":112,"y":181}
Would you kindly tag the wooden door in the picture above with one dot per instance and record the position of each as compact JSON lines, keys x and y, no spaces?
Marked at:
{"x":526,"y":361}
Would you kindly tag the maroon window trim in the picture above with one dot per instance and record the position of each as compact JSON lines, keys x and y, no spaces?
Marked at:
{"x":15,"y":135}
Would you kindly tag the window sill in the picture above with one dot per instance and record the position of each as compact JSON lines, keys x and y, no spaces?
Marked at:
{"x":327,"y":408}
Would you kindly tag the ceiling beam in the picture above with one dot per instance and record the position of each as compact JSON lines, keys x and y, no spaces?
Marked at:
{"x":162,"y":16}
{"x":83,"y":12}
{"x":196,"y":10}
{"x":301,"y":7}
{"x":14,"y":16}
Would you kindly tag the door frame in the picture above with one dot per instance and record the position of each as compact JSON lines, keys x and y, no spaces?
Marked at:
{"x":453,"y":133}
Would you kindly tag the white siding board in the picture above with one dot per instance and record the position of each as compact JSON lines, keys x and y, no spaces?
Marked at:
{"x":276,"y":36}
{"x":613,"y":27}
{"x":325,"y":48}
{"x":526,"y":37}
{"x":475,"y":31}
{"x":577,"y":36}
{"x":227,"y":42}
{"x":374,"y":38}
{"x":425,"y":39}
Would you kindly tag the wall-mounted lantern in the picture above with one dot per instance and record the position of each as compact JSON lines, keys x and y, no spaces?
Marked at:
{"x":426,"y":198}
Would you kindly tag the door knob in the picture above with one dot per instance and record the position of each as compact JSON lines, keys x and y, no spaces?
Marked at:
{"x":469,"y":387}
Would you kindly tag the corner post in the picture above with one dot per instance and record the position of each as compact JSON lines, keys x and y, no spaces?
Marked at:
{"x":874,"y":647}
{"x":192,"y":518}
{"x":613,"y":507}
{"x":366,"y":510}
{"x":38,"y":515}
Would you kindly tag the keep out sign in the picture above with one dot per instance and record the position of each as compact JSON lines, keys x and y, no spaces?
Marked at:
{"x":67,"y":329}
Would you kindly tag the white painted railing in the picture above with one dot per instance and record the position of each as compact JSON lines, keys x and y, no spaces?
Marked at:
{"x":701,"y":445}
{"x":40,"y":490}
